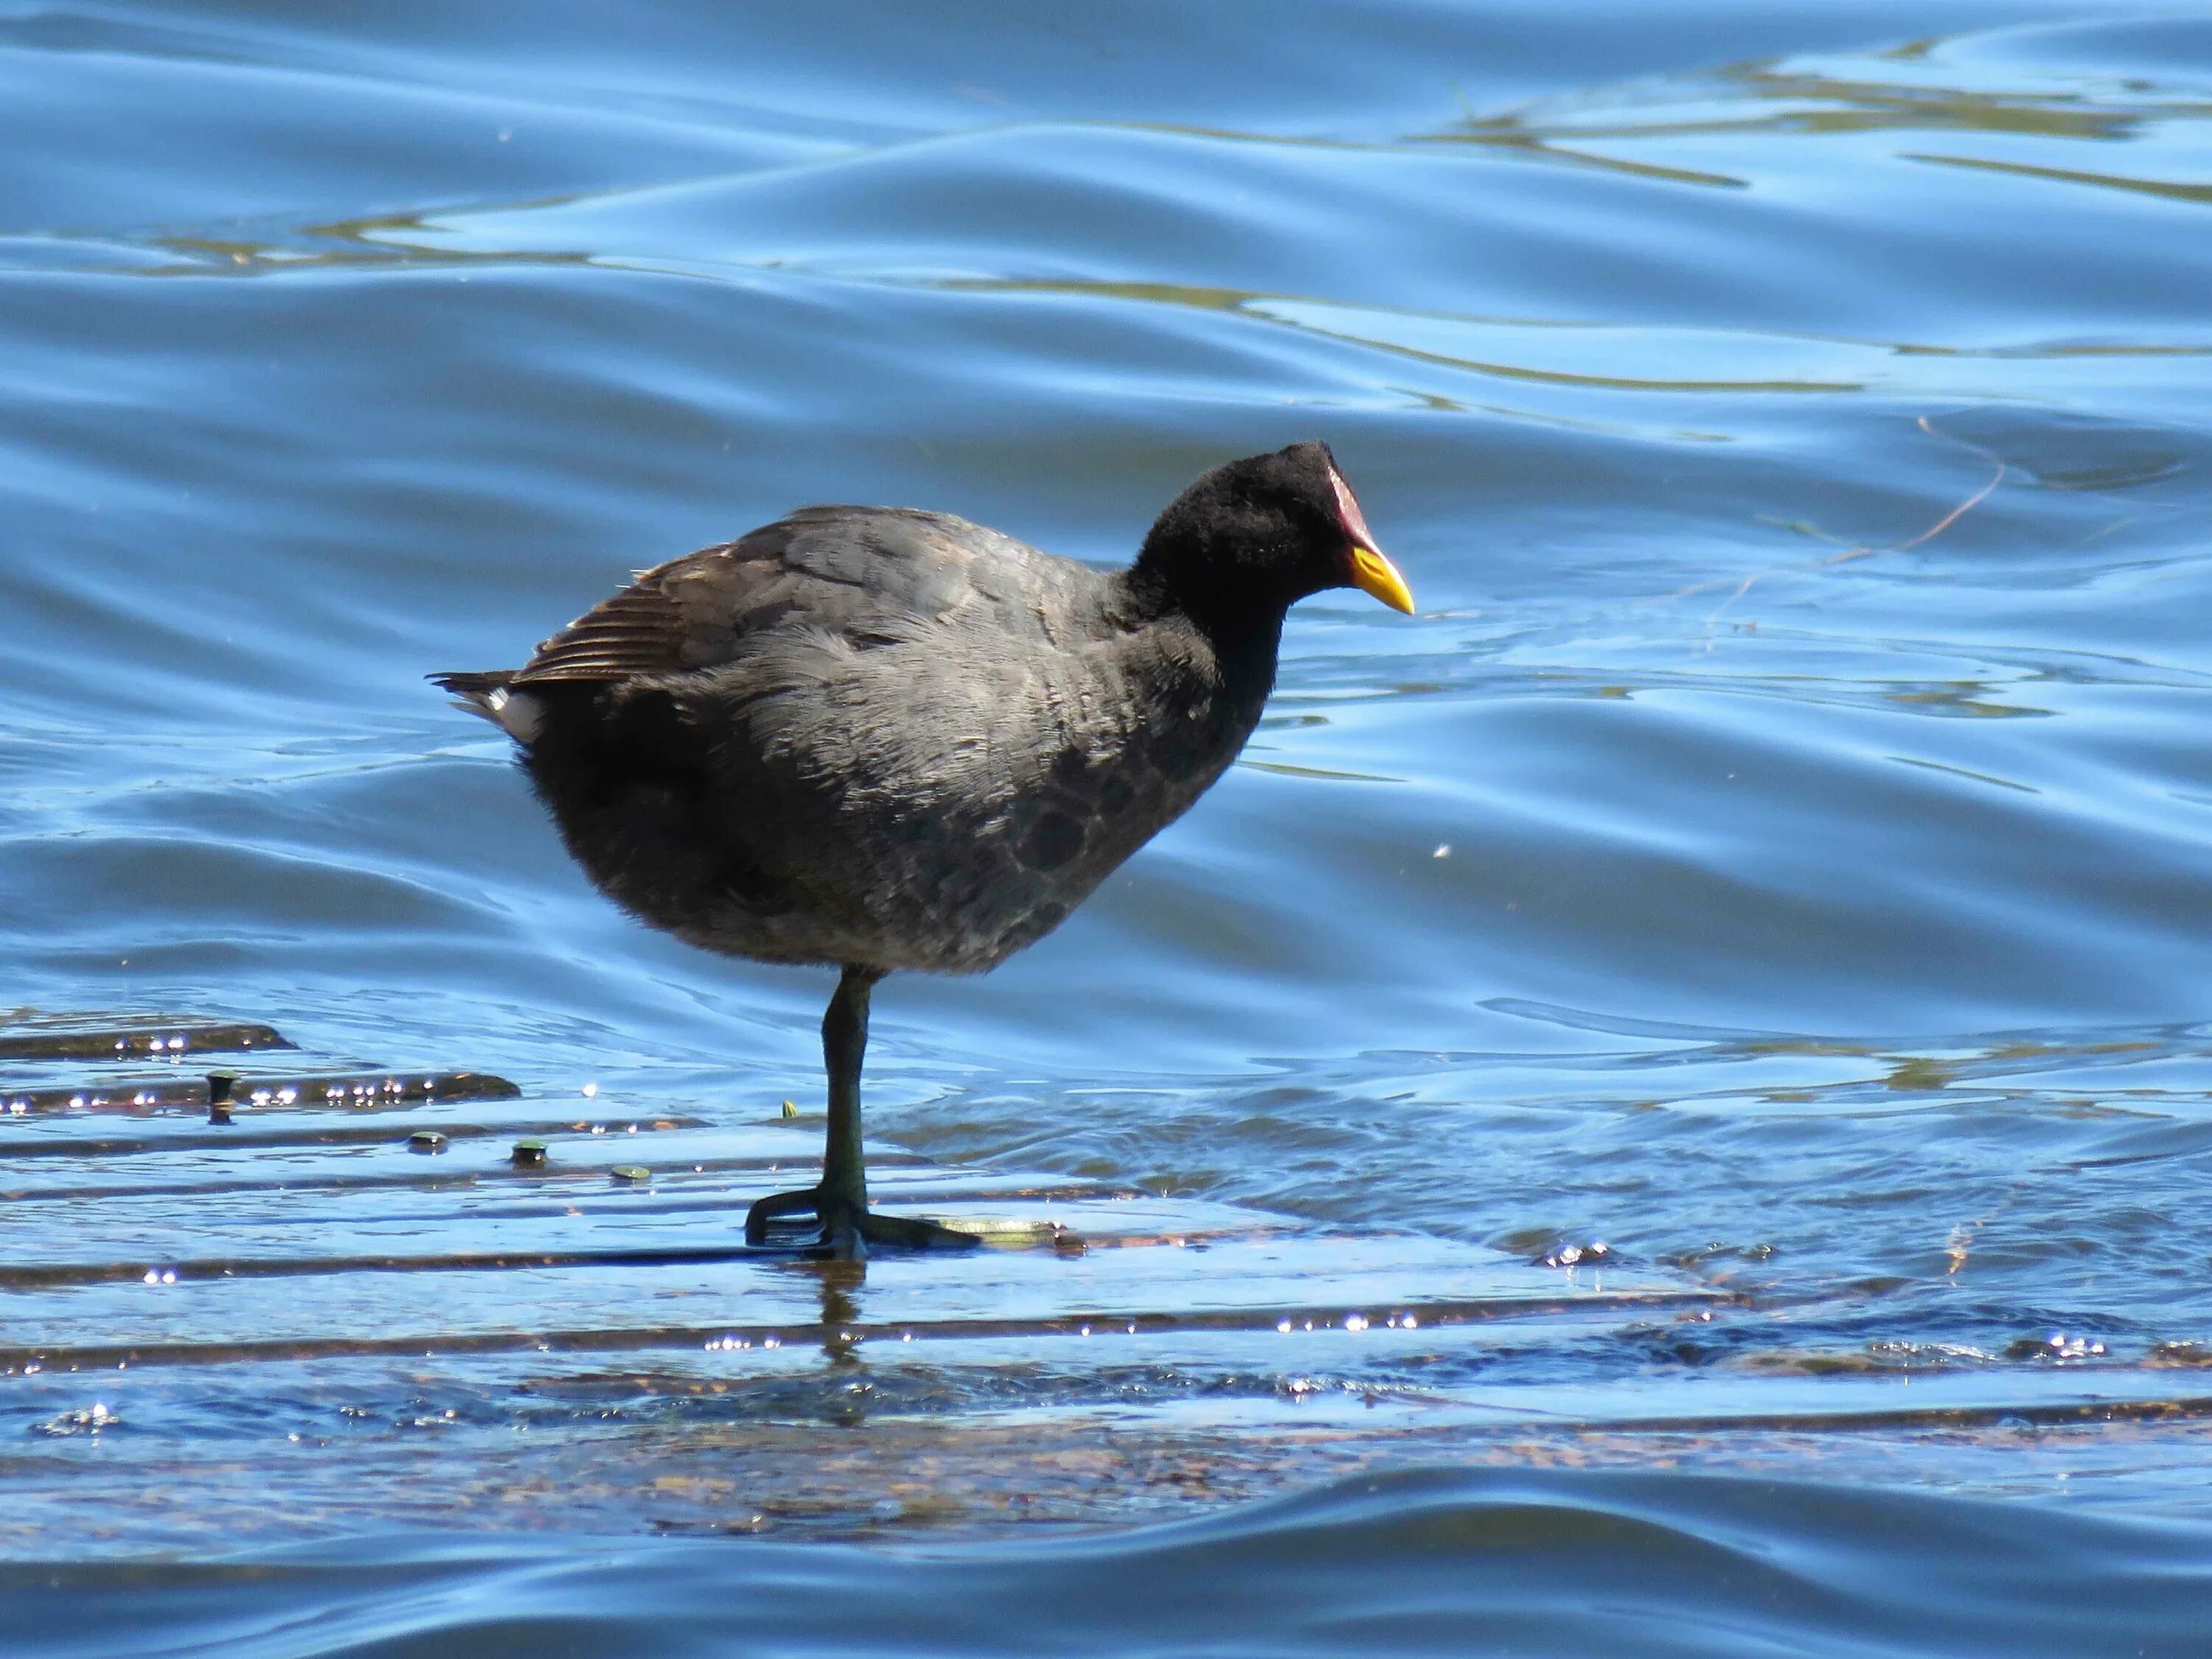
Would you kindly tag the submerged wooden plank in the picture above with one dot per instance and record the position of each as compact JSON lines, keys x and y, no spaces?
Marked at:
{"x":74,"y":1138}
{"x":889,"y":1443}
{"x":388,"y":1156}
{"x":359,"y":1090}
{"x":634,"y":1291}
{"x":295,"y":1231}
{"x":77,"y":1202}
{"x":137,"y":1039}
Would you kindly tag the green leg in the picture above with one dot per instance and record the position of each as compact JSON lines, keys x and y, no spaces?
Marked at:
{"x":840,"y":1199}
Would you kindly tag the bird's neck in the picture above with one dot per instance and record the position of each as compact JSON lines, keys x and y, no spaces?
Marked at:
{"x":1241,"y":638}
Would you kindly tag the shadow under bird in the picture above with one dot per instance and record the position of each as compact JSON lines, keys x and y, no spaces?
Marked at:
{"x":881,"y":738}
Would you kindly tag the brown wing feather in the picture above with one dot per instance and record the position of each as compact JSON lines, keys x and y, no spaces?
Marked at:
{"x":643,"y":629}
{"x":870,"y":575}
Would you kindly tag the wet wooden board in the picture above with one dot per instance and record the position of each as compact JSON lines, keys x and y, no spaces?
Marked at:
{"x":179,"y":1292}
{"x":31,"y":1040}
{"x":135,"y":1095}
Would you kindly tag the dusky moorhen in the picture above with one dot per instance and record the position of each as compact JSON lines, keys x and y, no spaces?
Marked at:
{"x":883,"y":738}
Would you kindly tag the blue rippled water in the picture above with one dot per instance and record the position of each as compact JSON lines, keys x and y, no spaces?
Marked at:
{"x":1416,"y":1564}
{"x":1778,"y":848}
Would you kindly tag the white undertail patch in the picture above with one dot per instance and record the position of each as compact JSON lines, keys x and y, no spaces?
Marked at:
{"x":520,"y":715}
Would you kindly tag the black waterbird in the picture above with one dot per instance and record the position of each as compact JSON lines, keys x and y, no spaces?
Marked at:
{"x":882,"y":738}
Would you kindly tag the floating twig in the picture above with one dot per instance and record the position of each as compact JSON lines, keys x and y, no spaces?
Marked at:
{"x":1744,"y":585}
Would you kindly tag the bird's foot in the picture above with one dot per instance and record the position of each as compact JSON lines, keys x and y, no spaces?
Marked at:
{"x":843,"y":1229}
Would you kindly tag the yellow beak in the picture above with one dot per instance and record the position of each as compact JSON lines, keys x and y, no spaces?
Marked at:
{"x":1373,"y":573}
{"x":1370,"y":572}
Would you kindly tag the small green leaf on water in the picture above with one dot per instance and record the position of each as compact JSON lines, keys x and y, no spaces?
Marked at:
{"x":790,"y":1109}
{"x":631,"y":1172}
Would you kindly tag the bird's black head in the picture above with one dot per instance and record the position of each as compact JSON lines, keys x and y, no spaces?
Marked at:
{"x":1250,"y":540}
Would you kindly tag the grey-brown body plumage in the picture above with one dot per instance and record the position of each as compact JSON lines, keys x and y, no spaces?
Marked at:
{"x":875,"y":737}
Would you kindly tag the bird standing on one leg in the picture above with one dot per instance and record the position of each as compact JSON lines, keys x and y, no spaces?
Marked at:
{"x":882,"y":738}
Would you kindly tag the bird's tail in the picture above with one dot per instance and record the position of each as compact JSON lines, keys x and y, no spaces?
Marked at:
{"x":487,"y":695}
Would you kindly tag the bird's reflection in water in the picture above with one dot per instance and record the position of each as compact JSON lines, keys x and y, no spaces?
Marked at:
{"x":840,"y":1282}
